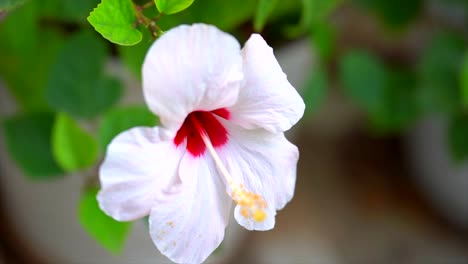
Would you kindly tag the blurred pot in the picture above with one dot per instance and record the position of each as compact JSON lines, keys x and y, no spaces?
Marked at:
{"x":444,"y":181}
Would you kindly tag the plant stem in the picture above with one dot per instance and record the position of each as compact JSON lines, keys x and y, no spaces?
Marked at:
{"x":147,"y":5}
{"x":145,"y":21}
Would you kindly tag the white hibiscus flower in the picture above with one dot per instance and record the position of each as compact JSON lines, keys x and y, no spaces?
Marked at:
{"x":223,"y":112}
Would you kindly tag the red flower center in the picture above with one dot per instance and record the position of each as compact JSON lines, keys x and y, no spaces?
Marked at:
{"x":212,"y":127}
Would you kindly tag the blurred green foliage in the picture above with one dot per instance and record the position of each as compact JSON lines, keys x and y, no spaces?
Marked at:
{"x":132,"y":56}
{"x":21,"y":41}
{"x":67,"y":10}
{"x":263,"y":11}
{"x":316,"y":11}
{"x":73,"y":147}
{"x":28,"y":139}
{"x":108,"y":232}
{"x":364,"y":79}
{"x":323,"y":36}
{"x":57,"y":69}
{"x":458,"y":141}
{"x":396,"y":13}
{"x":439,"y":73}
{"x":315,"y":90}
{"x":6,"y":5}
{"x":120,"y":119}
{"x":95,"y":92}
{"x":399,"y":107}
{"x":387,"y":95}
{"x":464,"y":79}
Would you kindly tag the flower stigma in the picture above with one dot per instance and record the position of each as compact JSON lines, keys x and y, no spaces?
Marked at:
{"x":252,"y":205}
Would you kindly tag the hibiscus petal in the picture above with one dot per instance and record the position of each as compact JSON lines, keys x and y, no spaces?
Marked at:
{"x":137,"y":166}
{"x":188,"y":223}
{"x":191,"y":68}
{"x":265,"y":164}
{"x":267,"y":99}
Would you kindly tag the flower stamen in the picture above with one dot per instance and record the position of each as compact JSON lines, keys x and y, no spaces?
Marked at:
{"x":252,"y":205}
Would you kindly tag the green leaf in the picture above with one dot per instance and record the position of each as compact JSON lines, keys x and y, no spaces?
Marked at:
{"x":457,"y":137}
{"x":73,"y":148}
{"x":315,"y":90}
{"x":7,"y":5}
{"x":106,"y":231}
{"x":28,"y":140}
{"x":464,"y":79}
{"x":121,"y":119}
{"x":264,"y":9}
{"x":115,"y":20}
{"x":363,"y":78}
{"x":172,"y":6}
{"x":76,"y":84}
{"x":439,"y":73}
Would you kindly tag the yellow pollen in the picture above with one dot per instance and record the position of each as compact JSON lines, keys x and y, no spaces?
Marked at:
{"x":244,"y":213}
{"x":171,"y":224}
{"x":252,"y":205}
{"x":259,"y":215}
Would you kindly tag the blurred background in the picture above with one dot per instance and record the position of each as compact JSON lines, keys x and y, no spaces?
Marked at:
{"x":383,"y":173}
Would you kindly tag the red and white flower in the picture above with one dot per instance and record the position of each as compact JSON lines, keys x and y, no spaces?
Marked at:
{"x":223,"y":114}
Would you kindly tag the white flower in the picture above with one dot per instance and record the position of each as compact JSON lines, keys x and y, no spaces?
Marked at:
{"x":223,"y":112}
